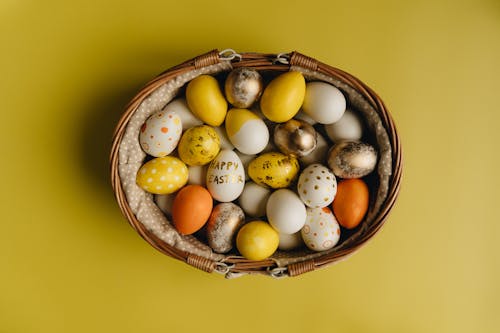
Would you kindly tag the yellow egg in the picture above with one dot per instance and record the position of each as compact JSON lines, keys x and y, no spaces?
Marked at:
{"x":205,"y":99}
{"x":199,"y":145}
{"x":283,"y":97}
{"x":162,"y":175}
{"x":275,"y":170}
{"x":257,"y":240}
{"x":246,"y":131}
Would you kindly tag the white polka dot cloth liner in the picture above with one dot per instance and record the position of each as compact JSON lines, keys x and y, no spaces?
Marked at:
{"x":131,"y":158}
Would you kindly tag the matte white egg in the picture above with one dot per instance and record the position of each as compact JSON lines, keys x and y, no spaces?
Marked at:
{"x":253,"y":199}
{"x":349,"y":127}
{"x":224,"y":140}
{"x":197,"y":175}
{"x":321,"y":231}
{"x":285,"y":211}
{"x":225,"y":176}
{"x":305,"y":117}
{"x":319,"y":154}
{"x":179,"y":106}
{"x":323,"y":102}
{"x":290,"y":241}
{"x":317,"y":186}
{"x":160,"y":133}
{"x":165,"y":202}
{"x":245,"y":159}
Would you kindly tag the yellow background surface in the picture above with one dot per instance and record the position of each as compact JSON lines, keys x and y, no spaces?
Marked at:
{"x":71,"y":263}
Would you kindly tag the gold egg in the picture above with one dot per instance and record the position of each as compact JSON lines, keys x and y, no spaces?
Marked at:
{"x":295,"y":137}
{"x":224,"y":222}
{"x":352,"y":159}
{"x":243,"y":87}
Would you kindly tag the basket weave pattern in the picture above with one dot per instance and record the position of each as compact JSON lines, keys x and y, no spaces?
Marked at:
{"x":389,"y":171}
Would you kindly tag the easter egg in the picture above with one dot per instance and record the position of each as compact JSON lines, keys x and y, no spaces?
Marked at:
{"x":162,"y":175}
{"x":321,"y":231}
{"x":160,"y":133}
{"x":323,"y":102}
{"x":224,"y":222}
{"x":352,"y":159}
{"x":165,"y":202}
{"x":243,"y":87}
{"x":180,"y":107}
{"x":275,"y":170}
{"x":225,"y":176}
{"x":245,"y":159}
{"x":199,"y":145}
{"x":197,"y":174}
{"x":257,"y":240}
{"x":349,"y":127}
{"x":205,"y":99}
{"x":247,"y":132}
{"x":295,"y":137}
{"x":285,"y":211}
{"x":351,"y":202}
{"x":191,"y":209}
{"x":283,"y":97}
{"x":290,"y":241}
{"x":253,"y":199}
{"x":317,"y":186}
{"x":225,"y":143}
{"x":319,"y":153}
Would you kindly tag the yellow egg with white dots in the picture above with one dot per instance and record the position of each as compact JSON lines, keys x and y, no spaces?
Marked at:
{"x":162,"y":175}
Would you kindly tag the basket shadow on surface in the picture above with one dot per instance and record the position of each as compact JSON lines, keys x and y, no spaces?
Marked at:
{"x":235,"y":265}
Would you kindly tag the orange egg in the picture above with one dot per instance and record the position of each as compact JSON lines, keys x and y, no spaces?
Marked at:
{"x":191,"y":209}
{"x":351,"y":202}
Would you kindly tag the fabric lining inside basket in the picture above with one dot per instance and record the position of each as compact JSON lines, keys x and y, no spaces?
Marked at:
{"x":131,"y":158}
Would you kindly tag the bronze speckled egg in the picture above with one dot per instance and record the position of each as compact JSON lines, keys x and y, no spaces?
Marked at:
{"x":225,"y":221}
{"x":243,"y":87}
{"x":295,"y":137}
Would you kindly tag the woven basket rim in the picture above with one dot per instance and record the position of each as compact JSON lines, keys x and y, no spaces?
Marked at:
{"x":233,"y":266}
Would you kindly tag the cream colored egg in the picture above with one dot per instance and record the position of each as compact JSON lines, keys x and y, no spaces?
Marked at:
{"x":285,"y":211}
{"x":290,"y":241}
{"x":324,"y":102}
{"x":225,"y":176}
{"x":317,"y":186}
{"x":253,"y":199}
{"x":160,"y":133}
{"x":179,"y":106}
{"x":349,"y":127}
{"x":225,"y":143}
{"x":165,"y":202}
{"x":197,"y":175}
{"x":247,"y":132}
{"x":321,"y":230}
{"x":162,"y":175}
{"x":245,"y":159}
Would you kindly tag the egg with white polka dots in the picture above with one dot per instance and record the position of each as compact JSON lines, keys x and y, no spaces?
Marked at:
{"x":321,"y":231}
{"x":162,"y":175}
{"x":317,"y":186}
{"x":160,"y":133}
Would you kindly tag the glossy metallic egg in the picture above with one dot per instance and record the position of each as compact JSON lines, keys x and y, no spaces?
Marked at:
{"x":243,"y":87}
{"x":225,"y":221}
{"x":352,"y":159}
{"x":295,"y":137}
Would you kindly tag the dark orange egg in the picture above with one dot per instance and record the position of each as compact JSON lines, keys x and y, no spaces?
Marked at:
{"x":191,"y":209}
{"x":351,"y":202}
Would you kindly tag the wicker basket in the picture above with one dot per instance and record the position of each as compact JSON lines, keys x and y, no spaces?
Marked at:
{"x":385,"y":184}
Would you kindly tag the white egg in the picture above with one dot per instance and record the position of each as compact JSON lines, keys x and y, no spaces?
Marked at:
{"x":179,"y":106}
{"x":305,"y":117}
{"x":323,"y":102}
{"x":321,"y":231}
{"x":197,"y":175}
{"x":317,"y":186}
{"x":349,"y":127}
{"x":225,"y":176}
{"x":224,"y":140}
{"x":285,"y":211}
{"x":245,"y":159}
{"x":290,"y":241}
{"x":160,"y":133}
{"x":253,"y":199}
{"x":319,"y":154}
{"x":246,"y":131}
{"x":165,"y":202}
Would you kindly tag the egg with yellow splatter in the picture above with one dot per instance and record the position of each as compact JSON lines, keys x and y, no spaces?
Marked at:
{"x":199,"y":145}
{"x":246,"y":131}
{"x":160,"y":133}
{"x":162,"y":175}
{"x":274,"y":170}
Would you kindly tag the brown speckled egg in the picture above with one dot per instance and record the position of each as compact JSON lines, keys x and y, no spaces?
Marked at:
{"x":352,"y":159}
